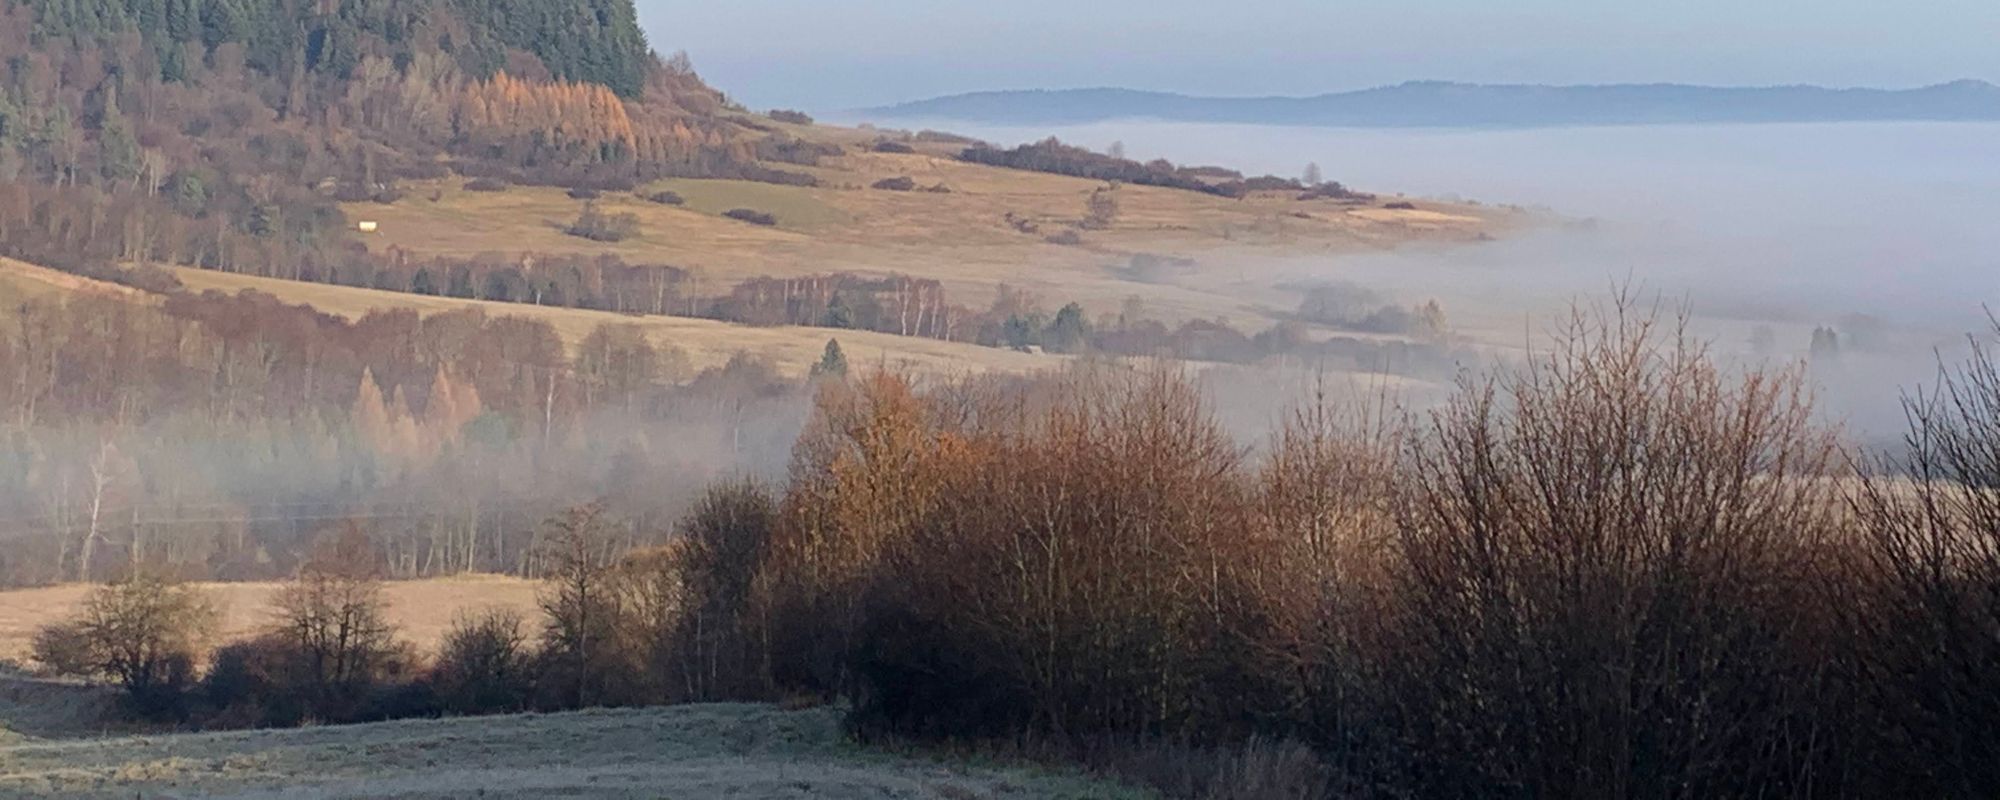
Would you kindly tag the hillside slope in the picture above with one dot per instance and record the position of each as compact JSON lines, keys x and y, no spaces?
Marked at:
{"x":20,"y":280}
{"x":707,"y":343}
{"x":994,"y":226}
{"x":750,"y":752}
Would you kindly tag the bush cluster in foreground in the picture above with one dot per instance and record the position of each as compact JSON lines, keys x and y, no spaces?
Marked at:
{"x":1617,"y":571}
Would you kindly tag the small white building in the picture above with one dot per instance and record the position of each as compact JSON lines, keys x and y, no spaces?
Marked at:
{"x":368,"y":226}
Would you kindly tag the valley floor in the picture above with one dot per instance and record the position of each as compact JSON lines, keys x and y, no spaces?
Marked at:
{"x":684,"y":752}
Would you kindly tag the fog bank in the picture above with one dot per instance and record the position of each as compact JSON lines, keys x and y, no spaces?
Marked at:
{"x":1884,"y":232}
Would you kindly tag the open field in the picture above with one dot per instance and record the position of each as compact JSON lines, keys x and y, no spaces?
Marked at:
{"x":707,"y":343}
{"x":20,"y":280}
{"x":422,"y":610}
{"x":683,"y":752}
{"x":972,"y":238}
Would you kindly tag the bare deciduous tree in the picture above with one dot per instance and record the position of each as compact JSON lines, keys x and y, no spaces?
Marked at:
{"x":331,"y":618}
{"x":583,"y":640}
{"x":1101,"y":211}
{"x":144,"y":632}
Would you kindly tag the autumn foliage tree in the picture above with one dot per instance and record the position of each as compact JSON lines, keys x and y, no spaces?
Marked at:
{"x":559,"y":121}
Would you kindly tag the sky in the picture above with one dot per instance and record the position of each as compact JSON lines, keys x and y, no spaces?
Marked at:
{"x":820,"y":56}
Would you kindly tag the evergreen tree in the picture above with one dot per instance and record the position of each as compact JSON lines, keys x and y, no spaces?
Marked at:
{"x":1069,"y":332}
{"x":838,"y":315}
{"x":832,"y":363}
{"x":118,"y":148}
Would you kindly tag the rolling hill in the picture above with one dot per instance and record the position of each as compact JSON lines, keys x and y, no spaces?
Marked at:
{"x":992,"y":227}
{"x":707,"y":343}
{"x":1444,"y":104}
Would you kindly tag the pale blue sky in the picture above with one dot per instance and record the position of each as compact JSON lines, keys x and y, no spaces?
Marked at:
{"x":830,"y":56}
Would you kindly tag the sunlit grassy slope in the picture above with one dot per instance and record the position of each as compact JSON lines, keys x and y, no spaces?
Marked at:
{"x":989,"y":226}
{"x":421,"y":610}
{"x":706,"y":342}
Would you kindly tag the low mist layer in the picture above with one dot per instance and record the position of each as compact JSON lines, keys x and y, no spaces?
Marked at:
{"x":1878,"y":233}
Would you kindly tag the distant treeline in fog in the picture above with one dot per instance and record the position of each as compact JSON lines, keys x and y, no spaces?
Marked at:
{"x":214,"y":435}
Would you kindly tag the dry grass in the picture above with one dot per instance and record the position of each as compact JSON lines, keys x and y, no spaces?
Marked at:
{"x":706,"y":342}
{"x":962,"y":238}
{"x":20,"y":280}
{"x":689,"y":751}
{"x":422,"y":610}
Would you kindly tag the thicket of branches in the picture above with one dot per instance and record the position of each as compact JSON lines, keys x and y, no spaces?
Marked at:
{"x":1619,"y":570}
{"x":1615,"y":571}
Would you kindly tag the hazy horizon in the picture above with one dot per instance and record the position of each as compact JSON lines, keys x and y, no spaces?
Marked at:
{"x":1790,"y":226}
{"x":769,"y":53}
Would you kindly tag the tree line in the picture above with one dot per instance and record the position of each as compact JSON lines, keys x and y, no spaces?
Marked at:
{"x":210,"y":435}
{"x":1616,"y":570}
{"x":1053,"y":156}
{"x":89,"y":232}
{"x":237,"y":126}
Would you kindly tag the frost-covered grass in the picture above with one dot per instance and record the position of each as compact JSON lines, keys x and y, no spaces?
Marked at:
{"x":737,"y":751}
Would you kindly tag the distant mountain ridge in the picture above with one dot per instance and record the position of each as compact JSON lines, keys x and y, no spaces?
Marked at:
{"x":1445,"y":104}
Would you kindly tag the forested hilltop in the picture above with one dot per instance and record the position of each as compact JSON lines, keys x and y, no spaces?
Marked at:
{"x":232,"y":120}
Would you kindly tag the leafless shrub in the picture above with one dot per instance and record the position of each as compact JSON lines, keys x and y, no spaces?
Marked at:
{"x":724,"y":541}
{"x":64,"y":649}
{"x":1101,"y":210}
{"x":1603,"y":560}
{"x":586,"y":653}
{"x":484,"y":665}
{"x":1928,"y":605}
{"x":144,"y":633}
{"x":751,"y":216}
{"x":1068,"y":573}
{"x":250,"y":683}
{"x":599,"y":226}
{"x":330,"y":620}
{"x":1324,"y":509}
